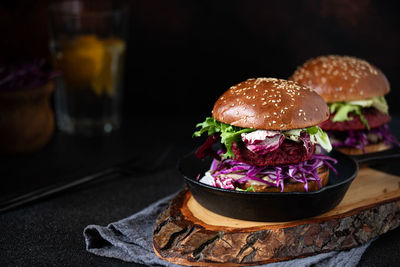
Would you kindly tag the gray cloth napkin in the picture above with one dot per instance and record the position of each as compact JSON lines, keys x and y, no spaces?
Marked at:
{"x":131,"y":240}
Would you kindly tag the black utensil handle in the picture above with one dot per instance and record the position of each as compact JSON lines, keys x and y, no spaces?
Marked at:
{"x":381,"y":157}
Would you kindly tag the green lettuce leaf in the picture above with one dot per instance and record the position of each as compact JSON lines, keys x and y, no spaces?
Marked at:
{"x":343,"y":110}
{"x":318,"y":136}
{"x":249,"y":189}
{"x":229,"y":133}
{"x":378,"y":102}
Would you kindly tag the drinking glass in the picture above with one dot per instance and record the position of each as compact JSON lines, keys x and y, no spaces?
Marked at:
{"x":87,"y":45}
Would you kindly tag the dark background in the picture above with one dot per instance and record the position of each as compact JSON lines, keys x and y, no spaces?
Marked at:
{"x":183,"y":54}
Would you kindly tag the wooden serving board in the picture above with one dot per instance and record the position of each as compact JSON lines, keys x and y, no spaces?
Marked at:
{"x":188,"y":234}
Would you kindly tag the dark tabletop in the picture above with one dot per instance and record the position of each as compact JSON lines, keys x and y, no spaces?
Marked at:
{"x":49,"y":231}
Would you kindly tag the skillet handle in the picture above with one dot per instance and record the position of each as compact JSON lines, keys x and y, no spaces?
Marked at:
{"x":386,"y":156}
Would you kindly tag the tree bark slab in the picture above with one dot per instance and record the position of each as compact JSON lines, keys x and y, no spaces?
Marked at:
{"x":188,"y":234}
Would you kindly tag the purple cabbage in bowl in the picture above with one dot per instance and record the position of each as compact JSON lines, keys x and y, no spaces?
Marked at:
{"x":25,"y":76}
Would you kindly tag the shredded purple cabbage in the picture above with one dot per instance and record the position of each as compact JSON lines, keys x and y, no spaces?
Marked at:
{"x":302,"y":172}
{"x":266,"y":141}
{"x":25,"y":76}
{"x":361,"y":138}
{"x":305,"y":137}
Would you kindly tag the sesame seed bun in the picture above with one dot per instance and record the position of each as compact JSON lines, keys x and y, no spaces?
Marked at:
{"x":323,"y":173}
{"x":368,"y":149}
{"x":270,"y":104}
{"x":342,"y":78}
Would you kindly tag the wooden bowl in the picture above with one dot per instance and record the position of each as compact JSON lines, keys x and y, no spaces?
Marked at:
{"x":26,"y":119}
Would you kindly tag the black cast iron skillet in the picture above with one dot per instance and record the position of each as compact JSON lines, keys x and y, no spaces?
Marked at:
{"x":386,"y":156}
{"x":277,"y":206}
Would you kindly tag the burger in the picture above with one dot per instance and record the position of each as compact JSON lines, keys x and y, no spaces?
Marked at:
{"x":355,"y":92}
{"x":264,"y":137}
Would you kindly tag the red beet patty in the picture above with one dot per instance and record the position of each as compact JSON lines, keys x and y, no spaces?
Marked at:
{"x":289,"y":152}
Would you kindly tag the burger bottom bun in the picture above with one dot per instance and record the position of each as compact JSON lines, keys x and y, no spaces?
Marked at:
{"x":323,"y":173}
{"x":368,"y":149}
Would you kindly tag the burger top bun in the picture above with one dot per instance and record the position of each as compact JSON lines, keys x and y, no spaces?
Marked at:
{"x":270,"y":104}
{"x":342,"y":78}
